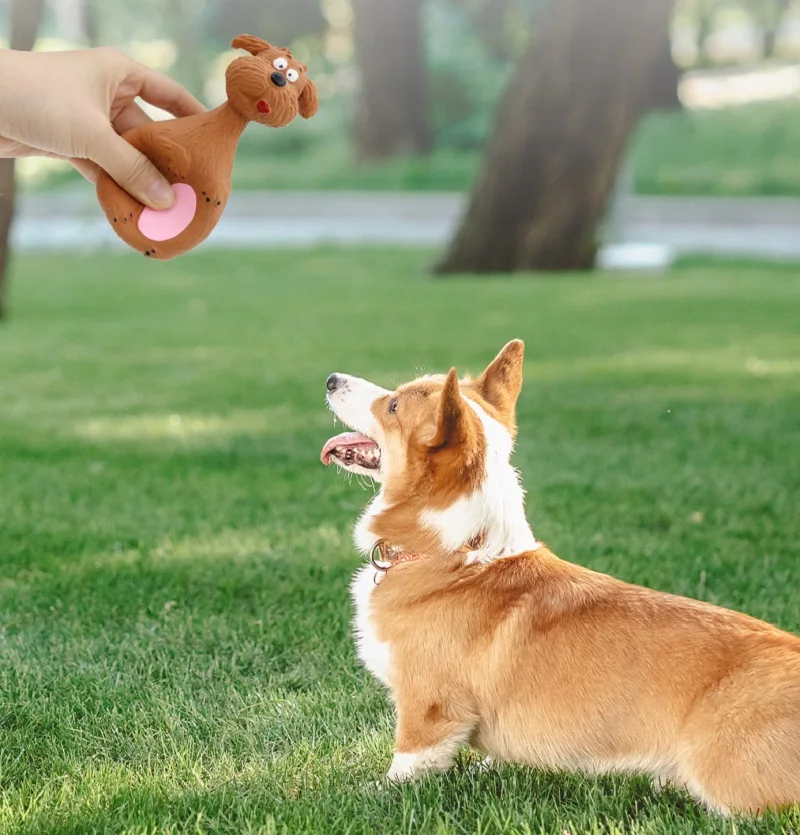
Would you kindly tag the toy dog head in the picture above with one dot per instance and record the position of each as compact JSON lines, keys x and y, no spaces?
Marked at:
{"x":270,"y":87}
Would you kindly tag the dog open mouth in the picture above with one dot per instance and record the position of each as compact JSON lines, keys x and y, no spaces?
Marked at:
{"x":352,"y":449}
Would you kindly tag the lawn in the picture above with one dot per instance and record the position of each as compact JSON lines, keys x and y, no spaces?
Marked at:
{"x":752,"y":150}
{"x":175,"y":637}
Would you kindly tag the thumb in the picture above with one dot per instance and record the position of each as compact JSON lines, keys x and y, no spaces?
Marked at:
{"x":132,"y":170}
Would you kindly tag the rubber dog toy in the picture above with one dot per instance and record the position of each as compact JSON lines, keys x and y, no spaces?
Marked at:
{"x":196,"y":153}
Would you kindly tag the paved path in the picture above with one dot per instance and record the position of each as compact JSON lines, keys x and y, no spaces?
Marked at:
{"x":644,"y":227}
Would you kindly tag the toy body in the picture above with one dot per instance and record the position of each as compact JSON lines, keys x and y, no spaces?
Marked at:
{"x":195,"y":154}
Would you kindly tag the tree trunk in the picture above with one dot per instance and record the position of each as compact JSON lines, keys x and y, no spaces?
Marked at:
{"x":661,"y":92}
{"x":393,"y":107}
{"x":6,"y":219}
{"x":91,"y":24}
{"x":768,"y":43}
{"x":25,"y":18}
{"x":771,"y":27}
{"x":560,"y":133}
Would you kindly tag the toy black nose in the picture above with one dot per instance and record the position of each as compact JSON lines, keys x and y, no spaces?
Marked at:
{"x":332,"y":382}
{"x":278,"y":79}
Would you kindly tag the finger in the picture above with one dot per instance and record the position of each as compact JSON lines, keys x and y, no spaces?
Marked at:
{"x":163,"y":92}
{"x":131,"y":116}
{"x":131,"y":169}
{"x":88,"y":169}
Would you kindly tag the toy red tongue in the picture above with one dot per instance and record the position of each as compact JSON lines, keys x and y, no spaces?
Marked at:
{"x":344,"y":440}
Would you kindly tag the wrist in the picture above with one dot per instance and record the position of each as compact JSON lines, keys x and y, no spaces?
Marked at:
{"x":15,"y":84}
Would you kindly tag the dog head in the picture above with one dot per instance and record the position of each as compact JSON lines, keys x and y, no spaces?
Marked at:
{"x":270,"y":86}
{"x":437,"y":445}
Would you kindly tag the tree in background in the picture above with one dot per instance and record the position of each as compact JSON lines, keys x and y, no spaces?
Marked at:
{"x":393,"y":102}
{"x":25,"y":19}
{"x":768,"y":14}
{"x":561,"y":130}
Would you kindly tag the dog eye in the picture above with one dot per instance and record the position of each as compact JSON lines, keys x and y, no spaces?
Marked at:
{"x":280,"y":63}
{"x":292,"y":75}
{"x":392,"y":405}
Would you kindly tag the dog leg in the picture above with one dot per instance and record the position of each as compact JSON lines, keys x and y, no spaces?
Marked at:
{"x":427,"y":739}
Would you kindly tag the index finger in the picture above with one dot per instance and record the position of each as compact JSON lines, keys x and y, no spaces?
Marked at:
{"x":161,"y":91}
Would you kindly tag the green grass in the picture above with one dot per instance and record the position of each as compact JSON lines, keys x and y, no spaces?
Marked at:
{"x":752,"y":150}
{"x":743,"y":151}
{"x":175,"y":652}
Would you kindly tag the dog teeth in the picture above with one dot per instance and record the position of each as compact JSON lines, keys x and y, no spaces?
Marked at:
{"x":368,"y":458}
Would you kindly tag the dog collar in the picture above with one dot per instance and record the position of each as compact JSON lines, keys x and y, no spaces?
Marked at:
{"x":383,"y":556}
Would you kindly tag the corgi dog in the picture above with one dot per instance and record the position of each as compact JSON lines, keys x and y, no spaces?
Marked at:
{"x":484,"y":637}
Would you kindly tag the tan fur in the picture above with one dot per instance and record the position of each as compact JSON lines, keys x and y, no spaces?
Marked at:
{"x":550,"y":664}
{"x":534,"y":660}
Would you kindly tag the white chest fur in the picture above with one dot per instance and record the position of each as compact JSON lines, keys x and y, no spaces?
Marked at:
{"x":373,"y":653}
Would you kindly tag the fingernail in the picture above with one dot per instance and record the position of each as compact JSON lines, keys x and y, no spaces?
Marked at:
{"x":161,"y":194}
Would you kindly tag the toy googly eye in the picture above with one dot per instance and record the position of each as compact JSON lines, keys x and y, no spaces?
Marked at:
{"x":280,"y":63}
{"x":292,"y":75}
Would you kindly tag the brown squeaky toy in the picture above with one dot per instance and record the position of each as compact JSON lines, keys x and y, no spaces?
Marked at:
{"x":196,"y":153}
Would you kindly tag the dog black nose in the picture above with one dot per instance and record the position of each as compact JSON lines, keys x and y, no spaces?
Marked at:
{"x":332,"y":382}
{"x":278,"y":79}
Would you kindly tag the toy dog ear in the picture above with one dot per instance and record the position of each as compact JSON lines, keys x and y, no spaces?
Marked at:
{"x":251,"y":43}
{"x":308,"y":102}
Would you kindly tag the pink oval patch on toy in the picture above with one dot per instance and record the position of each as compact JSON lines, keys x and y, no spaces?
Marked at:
{"x":165,"y":224}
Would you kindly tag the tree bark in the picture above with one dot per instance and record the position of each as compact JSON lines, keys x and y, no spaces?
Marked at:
{"x":560,"y":133}
{"x":393,"y":107}
{"x":25,"y":18}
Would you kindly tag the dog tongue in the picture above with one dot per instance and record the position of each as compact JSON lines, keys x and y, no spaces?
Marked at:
{"x":344,"y":440}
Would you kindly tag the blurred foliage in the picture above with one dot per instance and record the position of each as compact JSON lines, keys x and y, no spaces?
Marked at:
{"x":741,"y":151}
{"x":279,"y":21}
{"x":471,"y":46}
{"x":465,"y":80}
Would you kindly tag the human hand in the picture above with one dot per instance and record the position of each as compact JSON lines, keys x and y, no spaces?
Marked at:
{"x":74,"y":106}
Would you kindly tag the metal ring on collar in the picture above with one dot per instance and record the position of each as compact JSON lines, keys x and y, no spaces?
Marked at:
{"x":375,"y":561}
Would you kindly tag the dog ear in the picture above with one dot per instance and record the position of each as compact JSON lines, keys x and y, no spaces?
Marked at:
{"x":501,"y":383}
{"x":451,"y":419}
{"x":308,"y":102}
{"x":250,"y":43}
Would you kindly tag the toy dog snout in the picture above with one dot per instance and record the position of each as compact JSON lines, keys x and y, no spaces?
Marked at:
{"x":278,"y":79}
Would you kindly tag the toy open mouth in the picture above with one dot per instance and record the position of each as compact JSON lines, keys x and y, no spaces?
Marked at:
{"x":352,"y":449}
